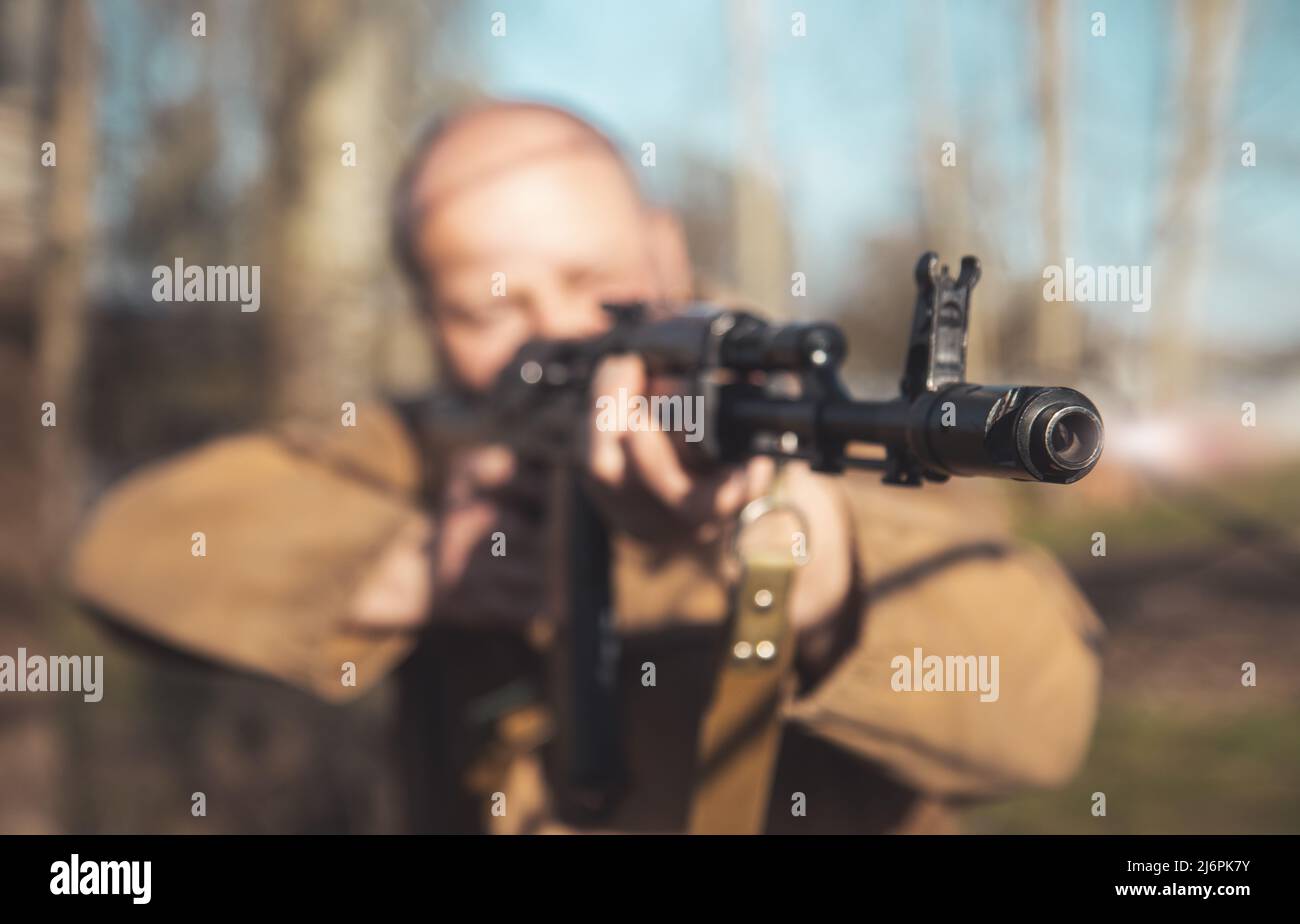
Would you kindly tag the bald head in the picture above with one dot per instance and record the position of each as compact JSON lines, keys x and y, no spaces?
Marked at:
{"x":517,"y":220}
{"x":482,"y":143}
{"x":490,"y":140}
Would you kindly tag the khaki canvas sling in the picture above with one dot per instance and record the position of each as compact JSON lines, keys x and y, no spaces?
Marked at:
{"x":741,"y":732}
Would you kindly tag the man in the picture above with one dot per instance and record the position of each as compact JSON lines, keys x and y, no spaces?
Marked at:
{"x":331,"y":555}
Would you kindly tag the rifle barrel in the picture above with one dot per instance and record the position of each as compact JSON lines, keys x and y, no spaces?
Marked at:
{"x":1024,"y":433}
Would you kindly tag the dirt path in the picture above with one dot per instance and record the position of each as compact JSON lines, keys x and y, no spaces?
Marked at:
{"x":1181,"y":624}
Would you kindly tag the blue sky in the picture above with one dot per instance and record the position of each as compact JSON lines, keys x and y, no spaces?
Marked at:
{"x":841,"y":128}
{"x":843,"y":135}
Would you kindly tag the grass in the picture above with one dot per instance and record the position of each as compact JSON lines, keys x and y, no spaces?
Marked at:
{"x":1166,"y":773}
{"x":1173,"y":769}
{"x":1169,"y":518}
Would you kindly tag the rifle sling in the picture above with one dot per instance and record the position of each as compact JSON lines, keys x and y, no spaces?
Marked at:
{"x":741,"y":732}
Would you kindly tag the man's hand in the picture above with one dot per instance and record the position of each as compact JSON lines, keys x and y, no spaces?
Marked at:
{"x":643,"y":487}
{"x":482,"y":564}
{"x":397,"y":590}
{"x":640,"y":482}
{"x":490,"y":562}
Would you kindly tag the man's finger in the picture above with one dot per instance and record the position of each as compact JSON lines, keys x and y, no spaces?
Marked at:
{"x":396,"y":593}
{"x":657,"y":466}
{"x":606,"y":459}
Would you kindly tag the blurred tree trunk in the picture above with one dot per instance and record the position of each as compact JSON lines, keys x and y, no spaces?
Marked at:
{"x":66,"y":117}
{"x":1212,"y":35}
{"x":27,"y":802}
{"x":762,"y":245}
{"x":48,"y":95}
{"x":342,"y":75}
{"x":1058,"y":326}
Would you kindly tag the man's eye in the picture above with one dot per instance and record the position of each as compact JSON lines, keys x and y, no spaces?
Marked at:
{"x":597,"y":282}
{"x":622,"y":287}
{"x":481,"y":315}
{"x":616,"y":295}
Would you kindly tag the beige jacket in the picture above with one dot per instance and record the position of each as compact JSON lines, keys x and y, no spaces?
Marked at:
{"x":291,"y":520}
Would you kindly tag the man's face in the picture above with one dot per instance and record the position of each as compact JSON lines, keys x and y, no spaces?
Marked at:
{"x":531,"y":248}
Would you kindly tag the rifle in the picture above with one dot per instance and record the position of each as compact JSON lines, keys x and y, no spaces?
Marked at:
{"x":741,"y":367}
